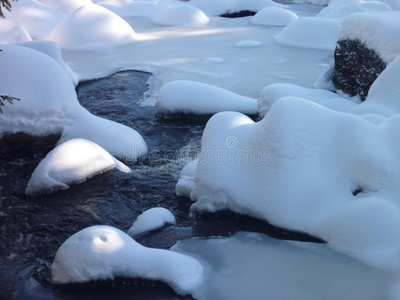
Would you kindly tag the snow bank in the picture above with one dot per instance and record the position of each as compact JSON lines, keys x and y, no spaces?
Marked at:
{"x":65,"y":6}
{"x":92,"y":26}
{"x":71,"y":162}
{"x":216,"y":8}
{"x":151,"y":219}
{"x":48,"y":99}
{"x":274,"y":16}
{"x":11,"y":31}
{"x":271,"y":93}
{"x":298,"y":166}
{"x":186,"y":179}
{"x":379,"y":31}
{"x":103,"y":252}
{"x":37,"y":18}
{"x":134,"y":9}
{"x":179,"y":15}
{"x":184,"y":96}
{"x":310,"y":32}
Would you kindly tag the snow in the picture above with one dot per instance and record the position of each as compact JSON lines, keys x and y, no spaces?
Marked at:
{"x":11,"y":31}
{"x":186,"y":179}
{"x":310,"y":32}
{"x":274,"y":16}
{"x":343,"y":9}
{"x":65,"y":6}
{"x":151,"y":219}
{"x":255,"y":266}
{"x":379,"y":31}
{"x":92,"y":26}
{"x":185,"y":96}
{"x":71,"y":162}
{"x":248,"y":44}
{"x":271,"y":93}
{"x":133,"y":9}
{"x":179,"y":15}
{"x":318,"y":2}
{"x":37,"y":18}
{"x":269,"y":170}
{"x":104,"y":252}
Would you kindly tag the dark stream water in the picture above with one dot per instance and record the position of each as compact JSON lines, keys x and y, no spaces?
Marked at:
{"x":33,"y":228}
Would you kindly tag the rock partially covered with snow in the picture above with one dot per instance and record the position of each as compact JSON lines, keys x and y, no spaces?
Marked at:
{"x":103,"y":252}
{"x":310,"y":32}
{"x":65,"y":6}
{"x":71,"y":162}
{"x":191,"y":97}
{"x":151,"y":219}
{"x":274,"y":16}
{"x":11,"y":31}
{"x":37,"y":18}
{"x":179,"y":15}
{"x":92,"y":26}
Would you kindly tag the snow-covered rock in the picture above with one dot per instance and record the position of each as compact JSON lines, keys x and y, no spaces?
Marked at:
{"x":37,"y":18}
{"x":92,"y":26}
{"x":65,"y":6}
{"x":104,"y":252}
{"x":151,"y":219}
{"x":310,"y":32}
{"x":186,"y":179}
{"x":274,"y":16}
{"x":133,"y":9}
{"x":344,"y":9}
{"x":298,"y":166}
{"x":11,"y":31}
{"x":71,"y":162}
{"x":187,"y":97}
{"x":179,"y":15}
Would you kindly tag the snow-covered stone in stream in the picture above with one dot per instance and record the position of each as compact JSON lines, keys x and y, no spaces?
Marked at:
{"x":11,"y":31}
{"x":151,"y":219}
{"x":187,"y":97}
{"x":274,"y":16}
{"x":271,"y":93}
{"x":71,"y":162}
{"x":344,"y":9}
{"x":310,"y":32}
{"x":37,"y":18}
{"x":92,"y":26}
{"x":104,"y":252}
{"x":186,"y":179}
{"x":65,"y":6}
{"x":299,"y":167}
{"x":179,"y":15}
{"x":133,"y":9}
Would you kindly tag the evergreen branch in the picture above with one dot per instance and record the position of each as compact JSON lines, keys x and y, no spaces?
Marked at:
{"x":9,"y":99}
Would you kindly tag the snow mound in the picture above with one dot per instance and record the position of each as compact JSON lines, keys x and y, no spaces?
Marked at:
{"x":37,"y":18}
{"x":71,"y":162}
{"x":183,"y":96}
{"x":298,"y":166}
{"x":48,"y":99}
{"x":379,"y":31}
{"x":65,"y":6}
{"x":310,"y":32}
{"x":133,"y":9}
{"x":11,"y":31}
{"x":274,"y":16}
{"x":271,"y":93}
{"x":216,"y":8}
{"x":186,"y":179}
{"x":179,"y":15}
{"x":104,"y":252}
{"x":92,"y":26}
{"x":248,"y":44}
{"x":151,"y":219}
{"x":342,"y":9}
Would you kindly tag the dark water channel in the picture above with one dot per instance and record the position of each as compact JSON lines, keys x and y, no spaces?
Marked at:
{"x":33,"y":228}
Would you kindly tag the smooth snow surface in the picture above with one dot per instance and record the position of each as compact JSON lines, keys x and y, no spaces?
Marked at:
{"x":179,"y":15}
{"x":134,"y":9}
{"x":104,"y":252}
{"x":71,"y":162}
{"x":255,"y":266}
{"x":92,"y":26}
{"x":198,"y":98}
{"x":151,"y":219}
{"x":274,"y":16}
{"x":269,"y":170}
{"x":248,"y":44}
{"x":186,"y":179}
{"x":310,"y":32}
{"x":11,"y":31}
{"x":65,"y":6}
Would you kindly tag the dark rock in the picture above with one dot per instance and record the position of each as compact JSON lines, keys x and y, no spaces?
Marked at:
{"x":238,"y":14}
{"x":356,"y":67}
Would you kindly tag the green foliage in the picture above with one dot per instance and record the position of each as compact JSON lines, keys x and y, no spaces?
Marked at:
{"x":6,"y":98}
{"x":5,"y":4}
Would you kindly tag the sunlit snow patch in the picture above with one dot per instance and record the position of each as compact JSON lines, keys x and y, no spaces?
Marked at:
{"x":179,"y":15}
{"x":274,"y":16}
{"x":103,"y":252}
{"x":71,"y":162}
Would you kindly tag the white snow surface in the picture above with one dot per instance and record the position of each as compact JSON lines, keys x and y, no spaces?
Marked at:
{"x":342,"y":9}
{"x":274,"y":16}
{"x":71,"y":162}
{"x":11,"y":31}
{"x":184,"y":96}
{"x":179,"y":15}
{"x":134,"y":9}
{"x":92,"y":26}
{"x":186,"y":179}
{"x":65,"y":6}
{"x":299,"y":167}
{"x":248,"y":44}
{"x":104,"y":252}
{"x":152,"y":219}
